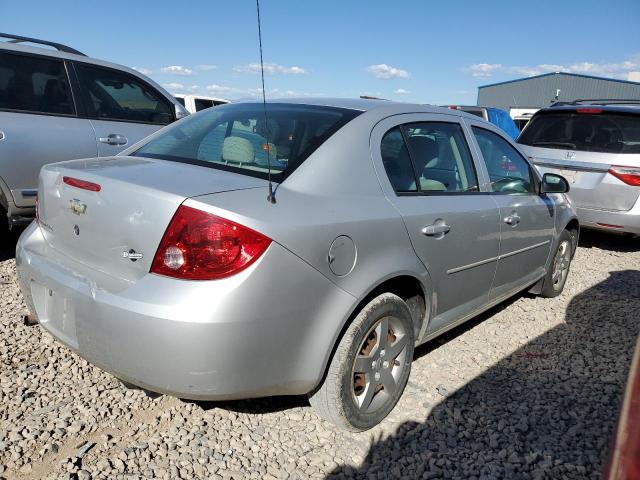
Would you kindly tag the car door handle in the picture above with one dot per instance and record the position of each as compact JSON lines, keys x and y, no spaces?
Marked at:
{"x":114,"y":139}
{"x":436,"y":229}
{"x":512,"y":219}
{"x":2,"y":135}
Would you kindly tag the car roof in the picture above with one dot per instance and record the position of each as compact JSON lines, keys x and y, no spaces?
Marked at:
{"x":367,"y":105}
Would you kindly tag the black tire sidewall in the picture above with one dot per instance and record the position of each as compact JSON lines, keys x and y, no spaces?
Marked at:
{"x":549,"y":289}
{"x":394,"y":307}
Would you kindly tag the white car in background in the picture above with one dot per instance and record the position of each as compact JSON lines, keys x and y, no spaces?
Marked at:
{"x":195,"y":103}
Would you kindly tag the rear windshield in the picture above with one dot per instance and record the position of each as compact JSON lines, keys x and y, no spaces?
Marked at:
{"x":236,"y":137}
{"x":606,"y":132}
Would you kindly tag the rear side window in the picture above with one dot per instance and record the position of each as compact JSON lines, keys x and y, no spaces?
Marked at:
{"x":596,"y":131}
{"x":33,"y":84}
{"x":112,"y":95}
{"x":180,"y":100}
{"x":202,"y":103}
{"x":236,"y":137}
{"x":508,"y":171}
{"x":395,"y":157}
{"x":428,"y":157}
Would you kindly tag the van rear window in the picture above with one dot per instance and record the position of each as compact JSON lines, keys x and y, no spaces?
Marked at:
{"x":238,"y":138}
{"x":605,"y":132}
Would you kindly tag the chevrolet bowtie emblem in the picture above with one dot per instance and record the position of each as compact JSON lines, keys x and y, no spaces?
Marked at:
{"x":77,"y":207}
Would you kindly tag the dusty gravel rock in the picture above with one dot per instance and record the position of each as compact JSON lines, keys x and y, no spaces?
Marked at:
{"x":528,"y":390}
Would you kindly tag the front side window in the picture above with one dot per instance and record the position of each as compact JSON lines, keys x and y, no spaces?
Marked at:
{"x":237,"y":137}
{"x":33,"y":84}
{"x":112,"y":95}
{"x":508,"y":171}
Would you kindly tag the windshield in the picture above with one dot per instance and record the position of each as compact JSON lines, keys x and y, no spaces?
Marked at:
{"x":605,"y":132}
{"x":237,"y":138}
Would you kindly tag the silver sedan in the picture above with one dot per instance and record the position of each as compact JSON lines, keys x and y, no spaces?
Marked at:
{"x":302,"y":249}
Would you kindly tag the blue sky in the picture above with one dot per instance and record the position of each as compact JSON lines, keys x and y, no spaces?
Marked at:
{"x":432,"y":52}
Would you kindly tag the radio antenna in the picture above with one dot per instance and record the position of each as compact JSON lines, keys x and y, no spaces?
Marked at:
{"x":271,"y":197}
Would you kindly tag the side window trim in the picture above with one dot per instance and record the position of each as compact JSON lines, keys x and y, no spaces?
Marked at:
{"x":74,"y":105}
{"x":532,"y":171}
{"x":85,"y":95}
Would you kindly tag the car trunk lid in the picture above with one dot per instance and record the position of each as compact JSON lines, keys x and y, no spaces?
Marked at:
{"x":110,"y":214}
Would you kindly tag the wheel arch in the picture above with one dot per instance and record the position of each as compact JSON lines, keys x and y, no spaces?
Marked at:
{"x":407,"y":286}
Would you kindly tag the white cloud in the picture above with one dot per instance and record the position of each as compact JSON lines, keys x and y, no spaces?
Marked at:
{"x":633,"y":76}
{"x":173,"y":86}
{"x":270,"y":68}
{"x":402,"y":91}
{"x":483,"y":70}
{"x":220,"y":89}
{"x":387,"y":71}
{"x":142,"y":70}
{"x":177,"y":70}
{"x":206,"y":67}
{"x":624,"y":69}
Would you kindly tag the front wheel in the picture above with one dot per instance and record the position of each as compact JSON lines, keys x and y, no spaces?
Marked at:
{"x":557,"y":275}
{"x":370,"y":367}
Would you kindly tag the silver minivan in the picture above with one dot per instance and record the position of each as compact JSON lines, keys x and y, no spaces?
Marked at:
{"x":58,"y":104}
{"x":595,"y":145}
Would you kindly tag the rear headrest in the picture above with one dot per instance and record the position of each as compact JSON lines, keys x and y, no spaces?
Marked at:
{"x":238,"y":150}
{"x":423,"y":149}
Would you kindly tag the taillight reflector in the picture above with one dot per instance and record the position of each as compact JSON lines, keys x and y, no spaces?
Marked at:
{"x":609,"y":225}
{"x":629,"y":175}
{"x":589,"y":110}
{"x":83,"y":184}
{"x":201,"y":246}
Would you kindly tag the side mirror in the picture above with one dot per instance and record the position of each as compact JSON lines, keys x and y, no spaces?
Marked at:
{"x":552,"y":183}
{"x":181,"y":112}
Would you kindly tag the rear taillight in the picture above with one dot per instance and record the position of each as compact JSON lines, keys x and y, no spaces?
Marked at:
{"x":83,"y":184}
{"x":629,"y":175}
{"x":200,"y":246}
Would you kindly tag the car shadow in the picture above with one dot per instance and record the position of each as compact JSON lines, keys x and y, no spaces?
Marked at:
{"x":608,"y":241}
{"x":545,"y":411}
{"x":8,"y":240}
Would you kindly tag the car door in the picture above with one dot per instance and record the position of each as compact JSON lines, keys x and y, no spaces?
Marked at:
{"x":39,"y":122}
{"x":123,"y":108}
{"x":428,"y":174}
{"x":527,"y":218}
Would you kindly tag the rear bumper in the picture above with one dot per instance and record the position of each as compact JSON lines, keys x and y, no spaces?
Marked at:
{"x":266,"y":331}
{"x":620,"y":222}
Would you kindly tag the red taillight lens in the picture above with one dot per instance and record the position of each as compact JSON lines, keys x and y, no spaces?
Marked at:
{"x":83,"y":184}
{"x":629,"y":175}
{"x":200,"y":246}
{"x":589,"y":110}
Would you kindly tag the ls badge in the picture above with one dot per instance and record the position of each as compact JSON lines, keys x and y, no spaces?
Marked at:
{"x":132,"y":255}
{"x":77,"y":207}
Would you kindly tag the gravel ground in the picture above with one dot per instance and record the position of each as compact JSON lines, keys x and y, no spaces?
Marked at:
{"x":528,"y":390}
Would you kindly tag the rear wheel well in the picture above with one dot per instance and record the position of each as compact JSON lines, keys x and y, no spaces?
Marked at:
{"x":573,"y":227}
{"x":406,"y":287}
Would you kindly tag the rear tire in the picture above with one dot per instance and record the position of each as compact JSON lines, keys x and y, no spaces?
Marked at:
{"x":556,"y":277}
{"x":370,"y":368}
